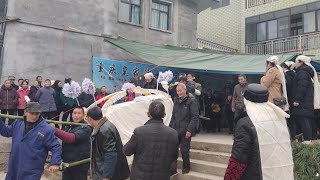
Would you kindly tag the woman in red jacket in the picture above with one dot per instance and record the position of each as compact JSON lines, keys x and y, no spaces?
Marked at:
{"x":22,"y":93}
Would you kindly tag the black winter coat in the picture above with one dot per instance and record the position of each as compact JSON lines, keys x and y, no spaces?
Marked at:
{"x":106,"y":138}
{"x":289,"y":75}
{"x":153,"y":85}
{"x":245,"y":148}
{"x":85,"y":99}
{"x":80,"y":149}
{"x":185,"y":115}
{"x":303,"y":93}
{"x":32,"y":93}
{"x":8,"y":98}
{"x":57,"y":99}
{"x":155,"y":147}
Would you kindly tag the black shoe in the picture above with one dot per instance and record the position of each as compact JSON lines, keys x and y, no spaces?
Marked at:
{"x":173,"y":173}
{"x":185,"y":170}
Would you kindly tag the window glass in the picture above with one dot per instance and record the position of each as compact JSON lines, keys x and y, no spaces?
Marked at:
{"x":272,"y":29}
{"x":283,"y":27}
{"x":124,"y":12}
{"x":309,"y":22}
{"x":130,"y":11}
{"x":261,"y":32}
{"x":160,"y":16}
{"x":251,"y":33}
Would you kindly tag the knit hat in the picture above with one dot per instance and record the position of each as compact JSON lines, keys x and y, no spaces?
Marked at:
{"x":256,"y":93}
{"x":148,"y":75}
{"x":33,"y":107}
{"x":273,"y":59}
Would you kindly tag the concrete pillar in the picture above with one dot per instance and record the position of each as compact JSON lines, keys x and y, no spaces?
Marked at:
{"x":5,"y":149}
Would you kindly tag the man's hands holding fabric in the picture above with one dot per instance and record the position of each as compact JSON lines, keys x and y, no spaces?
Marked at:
{"x":54,"y":168}
{"x":188,"y":135}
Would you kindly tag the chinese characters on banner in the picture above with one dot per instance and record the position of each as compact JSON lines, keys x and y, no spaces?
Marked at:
{"x":113,"y":74}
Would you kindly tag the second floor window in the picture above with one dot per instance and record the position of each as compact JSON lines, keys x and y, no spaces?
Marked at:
{"x":130,"y":11}
{"x":160,"y":16}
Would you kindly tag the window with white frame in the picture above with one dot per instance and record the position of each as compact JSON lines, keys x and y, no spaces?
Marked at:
{"x":130,"y":11}
{"x":160,"y":15}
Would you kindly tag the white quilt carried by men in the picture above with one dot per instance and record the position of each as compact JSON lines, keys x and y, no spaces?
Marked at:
{"x":130,"y":115}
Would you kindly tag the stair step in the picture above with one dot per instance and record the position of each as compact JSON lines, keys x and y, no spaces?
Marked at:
{"x":205,"y":167}
{"x":218,"y":157}
{"x":215,"y":147}
{"x":195,"y":176}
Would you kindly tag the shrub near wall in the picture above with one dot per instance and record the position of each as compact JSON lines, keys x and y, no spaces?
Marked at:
{"x":306,"y":161}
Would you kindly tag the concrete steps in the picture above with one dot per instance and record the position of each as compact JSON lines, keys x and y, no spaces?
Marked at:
{"x":208,"y":159}
{"x":213,"y":147}
{"x":195,"y":176}
{"x":219,"y":157}
{"x":205,"y":167}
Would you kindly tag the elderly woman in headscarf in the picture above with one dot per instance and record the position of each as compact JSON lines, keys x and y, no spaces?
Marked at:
{"x":275,"y":81}
{"x":152,"y":83}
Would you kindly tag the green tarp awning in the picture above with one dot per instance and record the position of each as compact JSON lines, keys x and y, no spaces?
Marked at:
{"x":171,"y":56}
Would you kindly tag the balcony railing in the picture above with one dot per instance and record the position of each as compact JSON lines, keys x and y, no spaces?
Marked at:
{"x":286,"y":45}
{"x":214,"y":46}
{"x":253,"y":3}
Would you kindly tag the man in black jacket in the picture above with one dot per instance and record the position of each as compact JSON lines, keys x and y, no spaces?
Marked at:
{"x":303,"y":97}
{"x":107,"y":159}
{"x":154,"y":145}
{"x":75,"y":146}
{"x":290,"y":75}
{"x":185,"y":117}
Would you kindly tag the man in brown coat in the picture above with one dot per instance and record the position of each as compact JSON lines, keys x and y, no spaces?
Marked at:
{"x":272,"y":79}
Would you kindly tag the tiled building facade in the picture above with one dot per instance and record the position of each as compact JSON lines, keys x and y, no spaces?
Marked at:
{"x":264,"y":26}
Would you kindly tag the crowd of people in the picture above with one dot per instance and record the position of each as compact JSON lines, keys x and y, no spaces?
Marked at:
{"x":32,"y":137}
{"x":154,"y":145}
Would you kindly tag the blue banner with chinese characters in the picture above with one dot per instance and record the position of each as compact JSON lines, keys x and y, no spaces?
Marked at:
{"x":113,"y":74}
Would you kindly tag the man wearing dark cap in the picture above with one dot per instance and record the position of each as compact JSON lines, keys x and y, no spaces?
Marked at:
{"x":32,"y":138}
{"x":107,"y":159}
{"x":154,"y":145}
{"x":261,"y":148}
{"x":12,"y":79}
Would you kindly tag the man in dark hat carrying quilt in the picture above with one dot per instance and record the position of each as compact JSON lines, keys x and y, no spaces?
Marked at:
{"x":261,"y":148}
{"x":32,"y":138}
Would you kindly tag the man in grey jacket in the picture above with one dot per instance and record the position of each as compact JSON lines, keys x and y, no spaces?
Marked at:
{"x":185,"y":117}
{"x":237,"y":98}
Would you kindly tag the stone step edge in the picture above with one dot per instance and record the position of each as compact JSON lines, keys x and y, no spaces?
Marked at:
{"x":206,"y":163}
{"x":197,"y":175}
